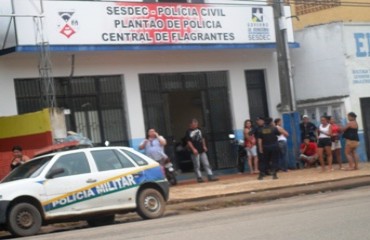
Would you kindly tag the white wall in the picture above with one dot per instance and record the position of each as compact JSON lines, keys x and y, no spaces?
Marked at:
{"x":11,"y":67}
{"x":357,"y":46}
{"x":7,"y":34}
{"x":319,"y":64}
{"x":332,"y":61}
{"x":131,"y":63}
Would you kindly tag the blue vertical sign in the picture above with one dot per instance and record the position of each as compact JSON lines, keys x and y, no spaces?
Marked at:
{"x":291,"y":125}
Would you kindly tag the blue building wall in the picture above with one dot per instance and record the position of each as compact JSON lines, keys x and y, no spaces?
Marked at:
{"x":135,"y":142}
{"x":361,"y":150}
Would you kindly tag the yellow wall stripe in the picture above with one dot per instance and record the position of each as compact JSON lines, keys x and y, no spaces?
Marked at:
{"x":25,"y":124}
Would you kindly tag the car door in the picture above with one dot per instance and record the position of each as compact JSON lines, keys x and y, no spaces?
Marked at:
{"x":116,"y":183}
{"x":70,"y":191}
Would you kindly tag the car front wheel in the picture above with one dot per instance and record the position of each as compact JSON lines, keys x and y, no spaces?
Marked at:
{"x":24,"y":220}
{"x":150,"y":204}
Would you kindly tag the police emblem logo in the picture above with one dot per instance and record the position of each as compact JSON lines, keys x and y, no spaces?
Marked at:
{"x":257,"y":14}
{"x":68,"y":23}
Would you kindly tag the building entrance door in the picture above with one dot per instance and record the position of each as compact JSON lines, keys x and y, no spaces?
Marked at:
{"x":182,"y":106}
{"x":365,"y":106}
{"x":256,"y":89}
{"x":171,"y":100}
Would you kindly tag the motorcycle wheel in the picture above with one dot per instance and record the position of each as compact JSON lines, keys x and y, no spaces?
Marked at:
{"x":171,"y":177}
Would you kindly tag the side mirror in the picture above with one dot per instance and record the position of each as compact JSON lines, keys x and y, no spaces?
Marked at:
{"x":54,"y":172}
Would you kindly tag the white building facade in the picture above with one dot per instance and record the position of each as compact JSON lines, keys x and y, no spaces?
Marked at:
{"x":332,"y":74}
{"x":120,"y":68}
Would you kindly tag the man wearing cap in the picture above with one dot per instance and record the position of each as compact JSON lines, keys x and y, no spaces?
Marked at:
{"x":307,"y":129}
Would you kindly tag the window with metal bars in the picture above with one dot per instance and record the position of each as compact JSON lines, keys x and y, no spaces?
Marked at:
{"x":95,"y":103}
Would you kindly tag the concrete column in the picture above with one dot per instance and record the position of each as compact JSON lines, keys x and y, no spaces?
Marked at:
{"x":134,"y":109}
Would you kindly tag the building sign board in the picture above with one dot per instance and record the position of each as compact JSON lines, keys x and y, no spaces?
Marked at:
{"x":114,"y":23}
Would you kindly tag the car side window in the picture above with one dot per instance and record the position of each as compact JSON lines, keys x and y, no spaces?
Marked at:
{"x":124,"y":160}
{"x":106,"y":160}
{"x":73,"y":164}
{"x":137,"y":159}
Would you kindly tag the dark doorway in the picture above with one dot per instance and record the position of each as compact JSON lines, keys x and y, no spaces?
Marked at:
{"x":170,"y":101}
{"x":182,"y":106}
{"x":365,"y":106}
{"x":256,"y":89}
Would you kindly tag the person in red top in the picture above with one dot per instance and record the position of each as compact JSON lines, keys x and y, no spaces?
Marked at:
{"x":308,"y":152}
{"x":251,"y":147}
{"x":335,"y":141}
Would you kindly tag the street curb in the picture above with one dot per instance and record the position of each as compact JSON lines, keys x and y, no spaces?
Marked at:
{"x":286,"y":191}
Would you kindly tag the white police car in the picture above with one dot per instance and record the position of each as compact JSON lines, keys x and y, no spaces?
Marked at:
{"x":91,"y":184}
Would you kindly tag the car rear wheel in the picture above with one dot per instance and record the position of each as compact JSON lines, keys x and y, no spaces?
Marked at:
{"x":24,"y":220}
{"x":150,"y":204}
{"x":101,"y":221}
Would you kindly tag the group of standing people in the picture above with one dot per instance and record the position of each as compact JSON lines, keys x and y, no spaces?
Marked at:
{"x":324,"y":141}
{"x":154,"y":144}
{"x":266,"y":145}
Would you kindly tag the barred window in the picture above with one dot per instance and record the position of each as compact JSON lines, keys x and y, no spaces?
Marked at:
{"x":305,"y":7}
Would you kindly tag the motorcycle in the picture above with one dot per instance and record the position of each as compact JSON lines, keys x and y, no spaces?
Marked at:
{"x":169,"y":171}
{"x":240,"y":152}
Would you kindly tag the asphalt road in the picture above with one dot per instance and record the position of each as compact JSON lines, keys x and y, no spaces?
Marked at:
{"x":334,"y":215}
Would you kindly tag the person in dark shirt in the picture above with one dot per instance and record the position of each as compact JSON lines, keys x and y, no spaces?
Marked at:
{"x":269,"y":147}
{"x":198,"y":148}
{"x":260,"y":122}
{"x":307,"y":129}
{"x":350,"y":134}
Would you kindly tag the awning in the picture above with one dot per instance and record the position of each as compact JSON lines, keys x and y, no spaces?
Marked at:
{"x":89,"y":48}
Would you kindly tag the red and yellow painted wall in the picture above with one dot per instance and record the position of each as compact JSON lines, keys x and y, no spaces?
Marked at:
{"x":31,"y":131}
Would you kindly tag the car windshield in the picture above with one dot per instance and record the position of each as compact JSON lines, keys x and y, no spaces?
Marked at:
{"x":30,"y":169}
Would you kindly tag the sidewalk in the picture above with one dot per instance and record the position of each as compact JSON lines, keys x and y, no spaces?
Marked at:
{"x":233,"y":184}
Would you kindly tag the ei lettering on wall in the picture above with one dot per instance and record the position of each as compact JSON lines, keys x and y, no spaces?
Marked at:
{"x":360,"y":63}
{"x":362,"y":41}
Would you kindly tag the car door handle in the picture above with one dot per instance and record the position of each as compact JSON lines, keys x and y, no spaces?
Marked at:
{"x":91,"y":180}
